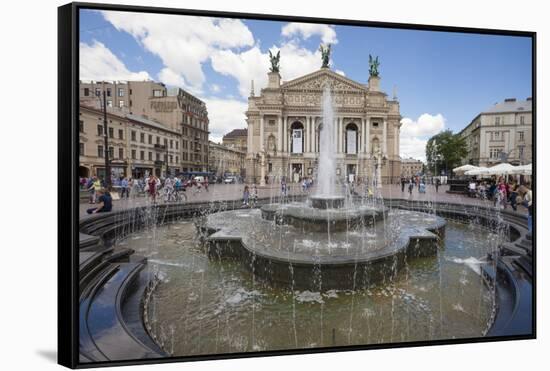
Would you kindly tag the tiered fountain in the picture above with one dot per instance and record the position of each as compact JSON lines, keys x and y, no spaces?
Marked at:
{"x":344,"y":240}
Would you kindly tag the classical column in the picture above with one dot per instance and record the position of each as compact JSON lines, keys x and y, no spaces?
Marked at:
{"x":284,"y":135}
{"x":280,"y":134}
{"x":311,"y":134}
{"x":250,"y":137}
{"x":306,"y":138}
{"x":396,"y":141}
{"x":385,"y":139}
{"x":339,"y":138}
{"x":367,"y":135}
{"x":261,"y":133}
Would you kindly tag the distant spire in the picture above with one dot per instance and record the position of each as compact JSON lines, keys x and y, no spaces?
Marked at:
{"x":395,"y":92}
{"x":252,"y":88}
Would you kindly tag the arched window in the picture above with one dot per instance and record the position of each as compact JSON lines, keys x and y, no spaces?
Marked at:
{"x":351,"y":139}
{"x":297,"y":137}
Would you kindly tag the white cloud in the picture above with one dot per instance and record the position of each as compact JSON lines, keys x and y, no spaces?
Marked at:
{"x":252,"y":64}
{"x":306,"y":30}
{"x":225,"y":115}
{"x":215,"y":88}
{"x":183,"y":43}
{"x":340,"y":72}
{"x":415,"y":134}
{"x":97,"y":62}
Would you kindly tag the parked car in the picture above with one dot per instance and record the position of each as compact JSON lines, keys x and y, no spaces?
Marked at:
{"x":230,"y":180}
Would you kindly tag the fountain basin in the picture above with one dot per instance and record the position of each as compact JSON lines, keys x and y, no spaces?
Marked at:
{"x":307,"y":218}
{"x":327,"y":202}
{"x":284,"y":254}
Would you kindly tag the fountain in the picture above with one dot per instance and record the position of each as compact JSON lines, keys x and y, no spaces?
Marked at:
{"x":215,"y":278}
{"x":341,"y":239}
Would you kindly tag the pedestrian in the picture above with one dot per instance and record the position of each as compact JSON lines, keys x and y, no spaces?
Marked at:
{"x":94,"y":188}
{"x":514,"y":196}
{"x":152,"y":187}
{"x":403,"y":182}
{"x":105,"y":202}
{"x":411,"y":187}
{"x":206,"y":184}
{"x":254,"y":194}
{"x":283,"y":188}
{"x":527,"y":201}
{"x":246,"y":195}
{"x":437,"y":183}
{"x":124,"y":190}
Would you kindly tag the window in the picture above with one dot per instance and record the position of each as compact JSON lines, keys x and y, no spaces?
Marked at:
{"x":374,"y":124}
{"x":150,"y":156}
{"x":99,"y":151}
{"x":522,"y":120}
{"x":121,"y":153}
{"x":497,"y":120}
{"x":177,"y":159}
{"x":81,"y":126}
{"x":177,"y":144}
{"x":171,"y":158}
{"x":120,"y":134}
{"x":158,"y":140}
{"x":111,"y":132}
{"x":184,"y":145}
{"x":496,"y":135}
{"x":108,"y":92}
{"x":86,"y":92}
{"x":150,"y":139}
{"x":157,"y":93}
{"x":184,"y":156}
{"x":120,"y":92}
{"x":97,"y":92}
{"x":158,"y":156}
{"x":120,"y":104}
{"x":165,"y":159}
{"x":81,"y":149}
{"x":99,"y":130}
{"x":521,"y":136}
{"x":133,"y":154}
{"x":111,"y":152}
{"x":133,"y":136}
{"x":142,"y":155}
{"x":171,"y":144}
{"x":142,"y":137}
{"x":110,"y":103}
{"x":494,"y":153}
{"x":165,"y":142}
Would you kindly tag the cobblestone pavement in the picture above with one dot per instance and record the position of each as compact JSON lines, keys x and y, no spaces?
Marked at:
{"x":234,"y":192}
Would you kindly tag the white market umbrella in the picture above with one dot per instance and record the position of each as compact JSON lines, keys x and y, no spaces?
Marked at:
{"x":501,"y":169}
{"x":464,"y":168}
{"x":524,"y":170}
{"x":477,"y":171}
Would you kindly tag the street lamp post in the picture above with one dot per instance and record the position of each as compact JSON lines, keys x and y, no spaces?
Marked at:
{"x":106,"y":142}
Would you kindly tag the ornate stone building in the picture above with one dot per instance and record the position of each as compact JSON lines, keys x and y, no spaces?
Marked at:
{"x":284,"y":124}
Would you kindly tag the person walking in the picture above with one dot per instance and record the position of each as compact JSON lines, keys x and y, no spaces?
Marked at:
{"x":152,"y":187}
{"x":403,"y":182}
{"x":95,"y":187}
{"x":437,"y":183}
{"x":124,"y":190}
{"x":246,"y":195}
{"x":514,"y":196}
{"x":411,"y":187}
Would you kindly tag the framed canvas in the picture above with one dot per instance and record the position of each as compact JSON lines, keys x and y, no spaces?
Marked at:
{"x":239,"y":185}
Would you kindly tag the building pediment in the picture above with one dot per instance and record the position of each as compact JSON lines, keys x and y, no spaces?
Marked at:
{"x":317,"y":80}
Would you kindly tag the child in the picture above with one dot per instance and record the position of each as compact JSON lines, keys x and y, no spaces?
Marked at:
{"x":246,"y":195}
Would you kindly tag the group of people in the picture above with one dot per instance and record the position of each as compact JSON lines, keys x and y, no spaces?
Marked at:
{"x":419,"y":183}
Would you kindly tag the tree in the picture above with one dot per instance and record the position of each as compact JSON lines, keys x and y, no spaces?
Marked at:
{"x":445,"y":151}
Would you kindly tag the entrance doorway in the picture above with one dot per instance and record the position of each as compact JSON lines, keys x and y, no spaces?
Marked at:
{"x":350,"y":172}
{"x":296,"y":172}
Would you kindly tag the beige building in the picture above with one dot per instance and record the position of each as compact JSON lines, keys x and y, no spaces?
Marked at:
{"x":224,"y":159}
{"x":137,"y":145}
{"x":501,"y":133}
{"x":176,"y":109}
{"x":284,"y":124}
{"x":410,"y":167}
{"x":236,"y":139}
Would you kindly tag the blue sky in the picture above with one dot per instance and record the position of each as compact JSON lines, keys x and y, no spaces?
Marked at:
{"x":443,"y":80}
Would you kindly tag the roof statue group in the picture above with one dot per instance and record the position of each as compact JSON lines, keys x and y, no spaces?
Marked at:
{"x":325,"y":58}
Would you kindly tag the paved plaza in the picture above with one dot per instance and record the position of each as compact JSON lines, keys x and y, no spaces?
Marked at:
{"x":217,"y":192}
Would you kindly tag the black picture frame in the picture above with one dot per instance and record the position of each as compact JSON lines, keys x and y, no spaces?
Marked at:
{"x":68,"y":210}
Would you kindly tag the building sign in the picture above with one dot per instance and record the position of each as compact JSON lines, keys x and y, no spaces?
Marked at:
{"x":352,"y":141}
{"x":297,"y":141}
{"x":164,"y":106}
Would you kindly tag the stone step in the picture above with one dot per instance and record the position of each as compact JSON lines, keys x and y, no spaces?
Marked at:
{"x":104,"y":323}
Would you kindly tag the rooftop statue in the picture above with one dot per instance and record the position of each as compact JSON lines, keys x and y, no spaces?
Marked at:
{"x":373,"y":66}
{"x":325,"y":55}
{"x":274,"y":59}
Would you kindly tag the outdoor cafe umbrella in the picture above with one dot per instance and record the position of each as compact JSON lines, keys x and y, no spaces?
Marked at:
{"x":477,"y":171}
{"x":464,"y":168}
{"x":524,"y":170}
{"x":501,"y":169}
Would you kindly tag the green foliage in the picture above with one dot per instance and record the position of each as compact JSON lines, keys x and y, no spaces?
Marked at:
{"x":445,"y":151}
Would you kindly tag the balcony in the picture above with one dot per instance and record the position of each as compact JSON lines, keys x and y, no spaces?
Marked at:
{"x":159,"y":163}
{"x":160,"y":147}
